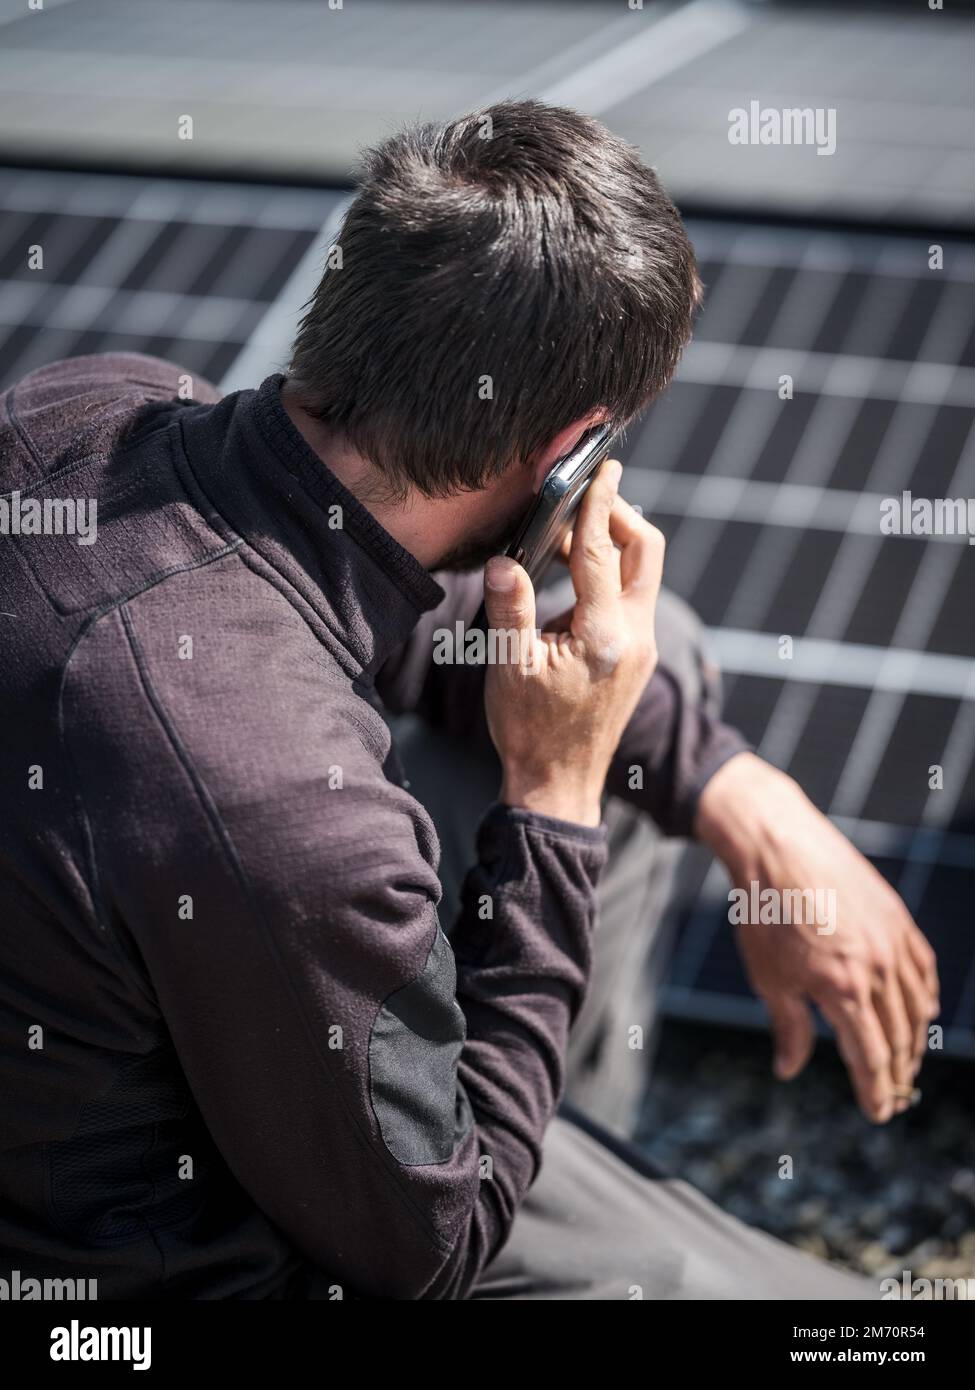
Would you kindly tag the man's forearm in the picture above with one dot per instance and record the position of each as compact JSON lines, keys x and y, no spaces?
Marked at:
{"x":742,"y":812}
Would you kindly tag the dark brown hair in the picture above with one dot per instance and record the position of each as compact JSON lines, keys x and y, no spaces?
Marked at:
{"x":523,"y":243}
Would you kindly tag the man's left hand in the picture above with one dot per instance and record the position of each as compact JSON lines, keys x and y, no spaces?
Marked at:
{"x":873,"y":974}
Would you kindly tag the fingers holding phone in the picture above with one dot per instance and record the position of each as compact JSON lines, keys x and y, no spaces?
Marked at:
{"x":639,"y":549}
{"x":557,"y":717}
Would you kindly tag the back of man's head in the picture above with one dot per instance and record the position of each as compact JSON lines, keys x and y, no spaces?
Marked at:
{"x":501,"y":276}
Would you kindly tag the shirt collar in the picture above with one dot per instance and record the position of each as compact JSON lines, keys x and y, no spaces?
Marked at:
{"x":269,"y":484}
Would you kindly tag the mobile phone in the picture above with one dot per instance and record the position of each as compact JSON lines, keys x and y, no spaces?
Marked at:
{"x":549,"y":520}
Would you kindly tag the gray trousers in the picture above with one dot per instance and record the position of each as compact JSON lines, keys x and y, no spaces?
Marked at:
{"x":600,"y":1222}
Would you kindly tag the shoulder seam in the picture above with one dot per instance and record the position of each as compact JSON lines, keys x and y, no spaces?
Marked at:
{"x":92,"y":878}
{"x":22,"y":434}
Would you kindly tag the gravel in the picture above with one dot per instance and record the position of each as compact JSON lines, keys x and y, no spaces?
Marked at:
{"x":875,"y":1199}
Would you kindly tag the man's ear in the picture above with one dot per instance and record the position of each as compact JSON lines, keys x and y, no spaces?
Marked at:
{"x":545,"y":459}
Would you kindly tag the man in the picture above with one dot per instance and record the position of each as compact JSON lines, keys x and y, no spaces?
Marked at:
{"x":240,"y":1058}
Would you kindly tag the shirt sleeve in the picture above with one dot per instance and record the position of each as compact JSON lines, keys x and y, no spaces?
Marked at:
{"x":380,"y":1095}
{"x":671,"y":748}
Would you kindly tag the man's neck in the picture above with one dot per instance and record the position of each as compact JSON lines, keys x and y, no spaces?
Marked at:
{"x":411,"y":520}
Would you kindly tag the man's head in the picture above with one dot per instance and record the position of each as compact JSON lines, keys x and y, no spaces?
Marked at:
{"x":505,"y":279}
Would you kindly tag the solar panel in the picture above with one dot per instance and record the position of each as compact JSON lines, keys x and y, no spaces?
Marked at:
{"x":177,"y":268}
{"x":771,"y":507}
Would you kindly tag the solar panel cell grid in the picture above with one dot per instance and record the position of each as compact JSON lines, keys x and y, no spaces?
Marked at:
{"x":770,"y":533}
{"x":185,"y":271}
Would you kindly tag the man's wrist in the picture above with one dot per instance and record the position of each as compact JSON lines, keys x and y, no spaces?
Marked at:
{"x":555,"y":797}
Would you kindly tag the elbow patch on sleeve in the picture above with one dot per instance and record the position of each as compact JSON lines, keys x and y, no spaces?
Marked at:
{"x":416,"y":1041}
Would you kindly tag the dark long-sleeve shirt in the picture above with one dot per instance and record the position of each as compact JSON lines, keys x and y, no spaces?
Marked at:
{"x":234,"y":1041}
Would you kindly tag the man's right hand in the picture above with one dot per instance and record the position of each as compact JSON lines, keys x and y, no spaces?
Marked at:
{"x":557,"y":713}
